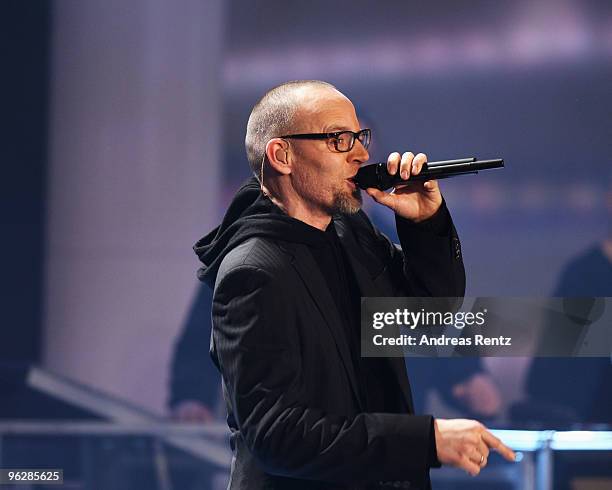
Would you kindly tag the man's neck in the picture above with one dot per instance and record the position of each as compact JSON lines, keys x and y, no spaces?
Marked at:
{"x":297,"y":209}
{"x":320,"y":222}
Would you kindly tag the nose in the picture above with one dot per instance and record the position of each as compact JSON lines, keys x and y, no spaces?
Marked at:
{"x":359,"y":154}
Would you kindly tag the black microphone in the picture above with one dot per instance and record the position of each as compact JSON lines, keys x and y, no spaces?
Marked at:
{"x":376,"y":175}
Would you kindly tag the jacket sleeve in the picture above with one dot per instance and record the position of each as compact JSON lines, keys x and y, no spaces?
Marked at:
{"x":257,"y":344}
{"x":429,"y":262}
{"x":432,"y":255}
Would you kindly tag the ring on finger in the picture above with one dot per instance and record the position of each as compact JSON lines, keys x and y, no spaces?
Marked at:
{"x":482,"y":460}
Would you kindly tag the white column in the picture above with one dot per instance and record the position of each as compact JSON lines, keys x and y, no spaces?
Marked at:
{"x":133,"y":182}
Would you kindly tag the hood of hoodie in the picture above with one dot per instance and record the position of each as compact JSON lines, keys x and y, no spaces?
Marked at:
{"x":250,"y":214}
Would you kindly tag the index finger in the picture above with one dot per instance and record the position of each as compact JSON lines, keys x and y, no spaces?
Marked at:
{"x":494,"y":443}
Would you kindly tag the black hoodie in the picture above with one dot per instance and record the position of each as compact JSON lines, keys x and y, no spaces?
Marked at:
{"x":250,"y":214}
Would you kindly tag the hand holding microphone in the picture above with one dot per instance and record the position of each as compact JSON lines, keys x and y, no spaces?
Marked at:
{"x":416,"y":195}
{"x":412,"y":200}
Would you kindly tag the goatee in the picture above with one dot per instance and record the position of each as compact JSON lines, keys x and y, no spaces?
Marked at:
{"x":347,"y":203}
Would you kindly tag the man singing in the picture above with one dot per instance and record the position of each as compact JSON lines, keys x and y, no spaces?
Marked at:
{"x":289,"y":263}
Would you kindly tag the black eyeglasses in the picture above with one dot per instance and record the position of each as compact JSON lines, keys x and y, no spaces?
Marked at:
{"x":343,"y":140}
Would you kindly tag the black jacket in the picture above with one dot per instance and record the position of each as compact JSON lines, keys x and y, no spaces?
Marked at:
{"x":291,"y":391}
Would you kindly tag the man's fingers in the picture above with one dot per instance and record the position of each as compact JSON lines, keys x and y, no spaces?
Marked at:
{"x":483,"y":450}
{"x":470,"y":466}
{"x":393,"y":162}
{"x":418,"y":162}
{"x":430,"y":185}
{"x":462,"y":461}
{"x":381,"y":197}
{"x":494,"y":443}
{"x":477,"y":457}
{"x":406,"y":165}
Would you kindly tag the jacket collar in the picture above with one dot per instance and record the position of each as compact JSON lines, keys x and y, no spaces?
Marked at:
{"x":305,"y":265}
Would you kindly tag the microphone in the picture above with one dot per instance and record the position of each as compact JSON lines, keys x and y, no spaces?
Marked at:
{"x":376,"y":175}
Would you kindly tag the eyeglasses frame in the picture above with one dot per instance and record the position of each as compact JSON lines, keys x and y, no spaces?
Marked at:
{"x":334,"y":136}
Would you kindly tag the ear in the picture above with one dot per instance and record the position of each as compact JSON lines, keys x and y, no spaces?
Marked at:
{"x":277,"y":151}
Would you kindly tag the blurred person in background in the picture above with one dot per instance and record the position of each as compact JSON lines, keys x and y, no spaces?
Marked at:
{"x":195,"y":384}
{"x":463,"y":384}
{"x":588,"y":274}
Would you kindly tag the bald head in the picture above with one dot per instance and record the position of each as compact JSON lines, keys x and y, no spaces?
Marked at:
{"x":276,"y":114}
